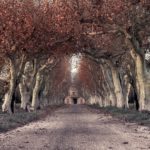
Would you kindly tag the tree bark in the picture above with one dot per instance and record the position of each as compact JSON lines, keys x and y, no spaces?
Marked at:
{"x":15,"y":76}
{"x":50,"y":64}
{"x":46,"y":91}
{"x":135,"y":51}
{"x":35,"y":95}
{"x":117,"y":87}
{"x":25,"y":96}
{"x":9,"y":95}
{"x":111,"y":95}
{"x":128,"y":89}
{"x":140,"y":87}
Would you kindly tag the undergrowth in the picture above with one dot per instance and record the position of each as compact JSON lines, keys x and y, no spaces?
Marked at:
{"x":20,"y":118}
{"x":129,"y":115}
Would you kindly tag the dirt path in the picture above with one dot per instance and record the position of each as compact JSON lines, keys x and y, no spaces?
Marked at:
{"x":77,"y":128}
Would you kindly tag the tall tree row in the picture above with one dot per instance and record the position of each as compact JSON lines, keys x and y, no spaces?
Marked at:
{"x":111,"y":35}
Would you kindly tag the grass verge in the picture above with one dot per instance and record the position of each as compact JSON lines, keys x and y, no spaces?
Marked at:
{"x":21,"y":118}
{"x":128,"y":115}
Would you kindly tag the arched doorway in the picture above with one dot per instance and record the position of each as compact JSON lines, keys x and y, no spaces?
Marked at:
{"x":75,"y":100}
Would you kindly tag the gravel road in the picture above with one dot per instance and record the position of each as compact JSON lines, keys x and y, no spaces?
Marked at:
{"x":77,"y":128}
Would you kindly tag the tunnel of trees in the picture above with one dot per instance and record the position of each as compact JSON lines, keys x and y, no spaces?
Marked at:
{"x":102,"y":47}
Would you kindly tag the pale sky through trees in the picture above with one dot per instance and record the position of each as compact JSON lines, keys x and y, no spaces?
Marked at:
{"x":75,"y":64}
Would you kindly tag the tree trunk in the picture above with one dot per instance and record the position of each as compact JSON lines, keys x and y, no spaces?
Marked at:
{"x":135,"y":51}
{"x":128,"y":89}
{"x":8,"y":102}
{"x":25,"y":96}
{"x":139,"y":67}
{"x":46,"y":91}
{"x":111,"y":95}
{"x":39,"y":80}
{"x":35,"y":95}
{"x":117,"y":87}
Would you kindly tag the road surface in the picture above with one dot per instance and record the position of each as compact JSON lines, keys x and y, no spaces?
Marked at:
{"x":77,"y":128}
